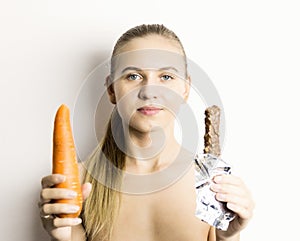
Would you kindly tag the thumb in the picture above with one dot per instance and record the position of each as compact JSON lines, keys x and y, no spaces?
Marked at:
{"x":86,"y":189}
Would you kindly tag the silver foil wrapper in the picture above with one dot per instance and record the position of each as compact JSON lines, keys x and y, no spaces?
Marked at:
{"x":208,"y":209}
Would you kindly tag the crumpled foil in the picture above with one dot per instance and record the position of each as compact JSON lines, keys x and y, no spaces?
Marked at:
{"x":208,"y":209}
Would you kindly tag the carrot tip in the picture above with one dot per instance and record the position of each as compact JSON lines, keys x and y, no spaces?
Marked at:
{"x":64,"y":156}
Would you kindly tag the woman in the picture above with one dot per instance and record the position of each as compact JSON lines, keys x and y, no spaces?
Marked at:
{"x":148,"y":82}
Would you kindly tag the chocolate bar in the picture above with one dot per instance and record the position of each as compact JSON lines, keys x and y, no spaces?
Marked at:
{"x":212,"y":125}
{"x":207,"y":166}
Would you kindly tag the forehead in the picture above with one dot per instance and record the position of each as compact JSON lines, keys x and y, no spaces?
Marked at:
{"x":152,"y":41}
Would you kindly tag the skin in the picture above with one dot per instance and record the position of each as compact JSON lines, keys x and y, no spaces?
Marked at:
{"x":60,"y":228}
{"x":168,"y":214}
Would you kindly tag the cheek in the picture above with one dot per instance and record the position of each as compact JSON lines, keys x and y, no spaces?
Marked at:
{"x":126,"y":103}
{"x":124,"y":92}
{"x":181,"y":88}
{"x":119,"y":92}
{"x":125,"y":109}
{"x":174,"y":98}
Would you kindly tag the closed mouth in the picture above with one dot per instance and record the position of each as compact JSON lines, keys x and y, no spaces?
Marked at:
{"x":149,"y":110}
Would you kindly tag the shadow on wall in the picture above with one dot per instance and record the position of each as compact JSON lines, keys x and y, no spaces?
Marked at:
{"x":87,"y":97}
{"x":38,"y":233}
{"x":92,"y":110}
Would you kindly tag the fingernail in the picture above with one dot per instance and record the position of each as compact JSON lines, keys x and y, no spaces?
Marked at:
{"x":231,"y":206}
{"x":76,"y":221}
{"x":72,"y":194}
{"x":61,"y":178}
{"x":214,"y":187}
{"x":89,"y":186}
{"x":74,"y":208}
{"x":221,"y":197}
{"x":218,"y":179}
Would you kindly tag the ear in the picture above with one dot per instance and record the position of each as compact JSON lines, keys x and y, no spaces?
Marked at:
{"x":110,"y":90}
{"x":187,"y":87}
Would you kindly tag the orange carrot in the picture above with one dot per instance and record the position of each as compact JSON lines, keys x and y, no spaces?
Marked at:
{"x":64,"y":159}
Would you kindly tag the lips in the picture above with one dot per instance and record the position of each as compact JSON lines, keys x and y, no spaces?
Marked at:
{"x":149,"y":110}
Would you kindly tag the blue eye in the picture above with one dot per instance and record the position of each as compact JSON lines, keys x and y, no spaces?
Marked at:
{"x":133,"y":77}
{"x":167,"y":77}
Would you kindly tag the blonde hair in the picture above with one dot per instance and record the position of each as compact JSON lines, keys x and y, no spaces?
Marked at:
{"x":102,"y":206}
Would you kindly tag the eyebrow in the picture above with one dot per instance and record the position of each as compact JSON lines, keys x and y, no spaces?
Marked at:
{"x":131,"y":68}
{"x":139,"y":69}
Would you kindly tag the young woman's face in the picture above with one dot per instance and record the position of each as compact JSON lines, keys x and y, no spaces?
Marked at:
{"x":150,"y":82}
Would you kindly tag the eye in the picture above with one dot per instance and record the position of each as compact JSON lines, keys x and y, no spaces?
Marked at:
{"x":134,"y":77}
{"x":167,"y":77}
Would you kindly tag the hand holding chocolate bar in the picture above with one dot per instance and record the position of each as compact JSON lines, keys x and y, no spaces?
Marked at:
{"x":207,"y":167}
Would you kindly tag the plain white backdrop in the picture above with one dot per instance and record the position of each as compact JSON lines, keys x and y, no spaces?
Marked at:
{"x":249,"y":49}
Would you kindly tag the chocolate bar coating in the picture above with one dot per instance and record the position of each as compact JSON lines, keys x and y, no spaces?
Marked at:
{"x":212,"y":134}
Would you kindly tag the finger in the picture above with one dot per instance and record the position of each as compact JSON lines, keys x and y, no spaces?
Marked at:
{"x":228,"y":184}
{"x":66,"y":222}
{"x":63,"y":233}
{"x":231,"y":198}
{"x":243,"y":206}
{"x":228,"y":179}
{"x":233,"y":194}
{"x":86,"y":189}
{"x":51,"y":180}
{"x":57,"y":193}
{"x":42,"y":202}
{"x":59,"y":208}
{"x":229,"y":189}
{"x":242,"y":212}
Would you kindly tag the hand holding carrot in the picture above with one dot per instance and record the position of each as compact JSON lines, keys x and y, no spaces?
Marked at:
{"x":59,"y":228}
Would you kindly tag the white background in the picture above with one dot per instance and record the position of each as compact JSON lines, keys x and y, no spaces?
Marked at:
{"x":250,"y":50}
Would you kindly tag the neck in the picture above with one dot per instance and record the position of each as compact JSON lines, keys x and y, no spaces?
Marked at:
{"x":150,"y":151}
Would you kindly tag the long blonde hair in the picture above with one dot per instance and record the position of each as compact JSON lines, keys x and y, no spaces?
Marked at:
{"x":102,"y":205}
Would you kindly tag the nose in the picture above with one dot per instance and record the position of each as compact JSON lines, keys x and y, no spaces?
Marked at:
{"x":148,"y":92}
{"x":151,"y":87}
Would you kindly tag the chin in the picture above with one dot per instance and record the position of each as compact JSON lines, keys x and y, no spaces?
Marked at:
{"x":147,"y":126}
